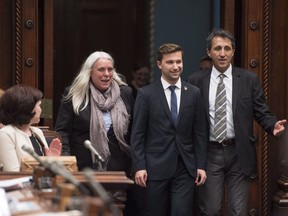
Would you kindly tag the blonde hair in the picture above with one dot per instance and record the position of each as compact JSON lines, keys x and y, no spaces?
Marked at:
{"x":79,"y":90}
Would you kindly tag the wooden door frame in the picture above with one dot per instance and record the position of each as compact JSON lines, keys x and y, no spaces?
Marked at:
{"x":252,"y":23}
{"x":32,"y":49}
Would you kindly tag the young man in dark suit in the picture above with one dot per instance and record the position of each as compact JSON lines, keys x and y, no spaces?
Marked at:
{"x":232,"y":158}
{"x":169,"y":138}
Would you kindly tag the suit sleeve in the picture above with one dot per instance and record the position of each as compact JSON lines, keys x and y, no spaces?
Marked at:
{"x":262,"y":114}
{"x":64,"y":123}
{"x":140,"y":121}
{"x":128,"y":99}
{"x":201,"y":134}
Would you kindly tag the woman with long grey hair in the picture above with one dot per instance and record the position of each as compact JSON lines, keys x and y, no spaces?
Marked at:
{"x":97,"y":108}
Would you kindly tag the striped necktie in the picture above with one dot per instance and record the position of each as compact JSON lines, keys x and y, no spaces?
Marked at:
{"x":220,"y":127}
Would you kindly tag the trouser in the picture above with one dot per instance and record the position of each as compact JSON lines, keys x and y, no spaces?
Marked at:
{"x":171,"y":197}
{"x":223,"y":168}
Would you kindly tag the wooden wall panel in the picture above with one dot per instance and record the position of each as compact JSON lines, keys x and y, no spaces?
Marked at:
{"x":260,"y":28}
{"x":5,"y":43}
{"x":26,"y":41}
{"x":25,"y":53}
{"x":278,"y":91}
{"x":46,"y":63}
{"x":251,"y":58}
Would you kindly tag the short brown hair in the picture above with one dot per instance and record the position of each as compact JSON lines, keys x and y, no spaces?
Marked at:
{"x":17,"y":104}
{"x":167,"y":49}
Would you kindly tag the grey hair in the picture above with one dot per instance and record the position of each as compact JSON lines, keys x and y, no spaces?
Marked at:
{"x":79,"y":90}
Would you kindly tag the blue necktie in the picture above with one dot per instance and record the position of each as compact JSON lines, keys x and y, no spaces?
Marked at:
{"x":173,"y":104}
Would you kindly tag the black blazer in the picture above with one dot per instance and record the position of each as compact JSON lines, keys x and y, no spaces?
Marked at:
{"x":248,"y":104}
{"x":75,"y":129}
{"x":156,"y":143}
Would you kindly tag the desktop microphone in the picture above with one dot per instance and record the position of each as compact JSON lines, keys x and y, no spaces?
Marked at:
{"x":58,"y":168}
{"x":89,"y":146}
{"x":100,"y":190}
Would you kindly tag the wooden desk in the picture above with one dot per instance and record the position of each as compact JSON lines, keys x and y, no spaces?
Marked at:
{"x":115,"y":183}
{"x":110,"y":179}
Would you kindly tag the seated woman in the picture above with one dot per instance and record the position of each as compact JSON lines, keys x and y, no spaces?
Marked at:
{"x":19,"y":110}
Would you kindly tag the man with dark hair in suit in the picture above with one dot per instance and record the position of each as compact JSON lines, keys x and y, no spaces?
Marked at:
{"x":231,"y":150}
{"x":169,"y":138}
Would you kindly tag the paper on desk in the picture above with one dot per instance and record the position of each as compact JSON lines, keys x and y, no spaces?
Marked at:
{"x":24,"y":207}
{"x":4,"y":209}
{"x":67,"y":213}
{"x":14,"y":182}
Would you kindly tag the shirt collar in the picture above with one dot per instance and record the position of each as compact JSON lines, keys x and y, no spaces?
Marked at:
{"x":228,"y":73}
{"x":166,"y":85}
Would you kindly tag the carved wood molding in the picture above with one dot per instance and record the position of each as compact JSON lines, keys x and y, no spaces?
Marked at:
{"x":265,"y":66}
{"x":18,"y":42}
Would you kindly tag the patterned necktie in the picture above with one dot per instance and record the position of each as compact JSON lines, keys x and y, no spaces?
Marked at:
{"x":173,"y":104}
{"x":220,"y":127}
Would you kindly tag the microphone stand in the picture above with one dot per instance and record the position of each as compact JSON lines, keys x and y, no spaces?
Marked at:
{"x":96,"y":163}
{"x":100,"y":190}
{"x":57,"y":168}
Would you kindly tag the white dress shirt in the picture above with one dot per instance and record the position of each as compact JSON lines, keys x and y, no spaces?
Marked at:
{"x":167,"y":92}
{"x":228,"y":82}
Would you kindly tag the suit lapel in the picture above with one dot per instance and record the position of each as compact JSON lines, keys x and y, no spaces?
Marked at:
{"x":183,"y":99}
{"x":162,"y":98}
{"x":205,"y":92}
{"x":236,"y":83}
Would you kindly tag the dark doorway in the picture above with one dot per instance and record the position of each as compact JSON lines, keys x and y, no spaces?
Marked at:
{"x":81,"y":27}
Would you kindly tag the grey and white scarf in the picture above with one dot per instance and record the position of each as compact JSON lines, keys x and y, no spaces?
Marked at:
{"x":111,"y":101}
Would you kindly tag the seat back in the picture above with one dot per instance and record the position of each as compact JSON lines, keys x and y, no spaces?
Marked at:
{"x":50,"y":134}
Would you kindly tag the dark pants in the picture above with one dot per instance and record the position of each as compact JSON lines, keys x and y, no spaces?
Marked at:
{"x":171,"y":197}
{"x":136,"y":201}
{"x":223,"y":168}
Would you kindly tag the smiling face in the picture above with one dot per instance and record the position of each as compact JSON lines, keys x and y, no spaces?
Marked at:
{"x":171,"y":66}
{"x":221,"y":53}
{"x":102,"y":74}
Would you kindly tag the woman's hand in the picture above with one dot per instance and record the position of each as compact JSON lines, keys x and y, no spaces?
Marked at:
{"x":55,"y":148}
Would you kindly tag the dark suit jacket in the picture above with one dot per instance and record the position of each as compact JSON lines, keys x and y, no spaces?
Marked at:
{"x":248,"y":103}
{"x":75,"y":129}
{"x":156,"y":143}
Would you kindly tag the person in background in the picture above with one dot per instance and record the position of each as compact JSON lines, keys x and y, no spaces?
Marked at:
{"x":140,"y":76}
{"x":205,"y":63}
{"x":169,"y":147}
{"x":231,"y":151}
{"x":19,"y":110}
{"x":1,"y":93}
